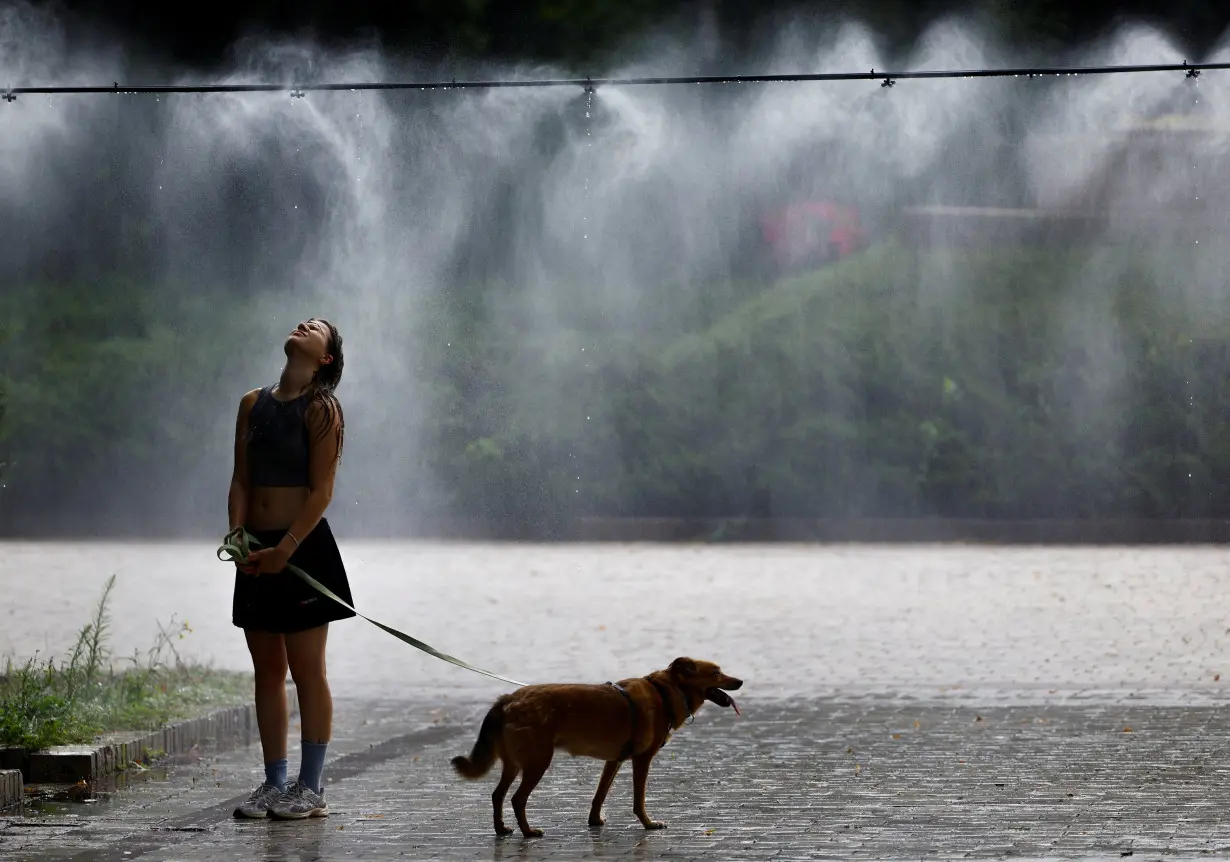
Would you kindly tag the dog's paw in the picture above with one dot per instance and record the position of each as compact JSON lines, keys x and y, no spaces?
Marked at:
{"x":654,"y":824}
{"x":596,"y":820}
{"x":503,"y":830}
{"x":532,"y":833}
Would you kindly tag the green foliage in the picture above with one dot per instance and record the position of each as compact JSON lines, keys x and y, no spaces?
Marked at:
{"x":44,"y":703}
{"x":1004,"y":383}
{"x":108,"y":387}
{"x":998,"y":383}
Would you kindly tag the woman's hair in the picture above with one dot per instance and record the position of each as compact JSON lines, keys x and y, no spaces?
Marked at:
{"x":325,"y":381}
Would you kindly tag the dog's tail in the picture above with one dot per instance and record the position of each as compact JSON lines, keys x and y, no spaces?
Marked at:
{"x":483,"y":755}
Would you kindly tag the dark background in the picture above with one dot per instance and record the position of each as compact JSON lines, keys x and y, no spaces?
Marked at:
{"x":581,"y":32}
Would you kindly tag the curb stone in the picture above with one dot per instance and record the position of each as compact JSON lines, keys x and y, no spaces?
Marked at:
{"x":70,"y":764}
{"x":11,"y":787}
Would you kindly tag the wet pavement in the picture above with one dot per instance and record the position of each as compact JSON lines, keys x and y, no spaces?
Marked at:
{"x":801,"y":620}
{"x":903,"y":703}
{"x":869,"y":777}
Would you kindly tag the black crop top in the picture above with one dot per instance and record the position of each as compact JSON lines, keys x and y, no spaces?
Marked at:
{"x":278,"y":441}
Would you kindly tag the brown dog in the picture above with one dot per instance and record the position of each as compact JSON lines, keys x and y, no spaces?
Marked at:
{"x":611,"y":722}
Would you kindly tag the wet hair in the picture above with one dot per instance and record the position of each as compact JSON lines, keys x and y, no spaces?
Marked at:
{"x":325,"y":381}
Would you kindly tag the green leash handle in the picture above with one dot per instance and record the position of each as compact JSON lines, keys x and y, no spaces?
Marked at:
{"x":239,"y":543}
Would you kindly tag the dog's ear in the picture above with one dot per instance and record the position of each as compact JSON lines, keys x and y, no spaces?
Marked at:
{"x":683,"y":666}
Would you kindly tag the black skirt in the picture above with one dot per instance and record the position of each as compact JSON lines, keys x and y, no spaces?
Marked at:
{"x":284,"y":602}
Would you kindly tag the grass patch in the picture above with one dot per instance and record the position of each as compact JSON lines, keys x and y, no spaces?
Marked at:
{"x":45,"y":703}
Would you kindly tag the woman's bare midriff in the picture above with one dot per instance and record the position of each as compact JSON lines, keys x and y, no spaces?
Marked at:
{"x":274,"y":508}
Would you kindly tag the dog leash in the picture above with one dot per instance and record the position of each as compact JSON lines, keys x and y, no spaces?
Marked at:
{"x":239,"y":544}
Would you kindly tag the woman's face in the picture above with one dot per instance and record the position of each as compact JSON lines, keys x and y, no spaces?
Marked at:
{"x":311,"y":340}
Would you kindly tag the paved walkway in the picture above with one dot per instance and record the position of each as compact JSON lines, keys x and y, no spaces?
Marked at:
{"x":899,"y":704}
{"x":864,"y":778}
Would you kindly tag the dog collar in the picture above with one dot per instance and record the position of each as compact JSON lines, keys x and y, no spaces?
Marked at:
{"x":665,"y":694}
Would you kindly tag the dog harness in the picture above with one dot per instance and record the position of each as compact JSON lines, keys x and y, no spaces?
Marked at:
{"x":626,"y":751}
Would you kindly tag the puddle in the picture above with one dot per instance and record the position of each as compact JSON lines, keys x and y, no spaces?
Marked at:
{"x":84,"y":799}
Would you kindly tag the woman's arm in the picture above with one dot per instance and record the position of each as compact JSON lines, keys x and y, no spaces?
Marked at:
{"x":237,"y":499}
{"x":324,"y":447}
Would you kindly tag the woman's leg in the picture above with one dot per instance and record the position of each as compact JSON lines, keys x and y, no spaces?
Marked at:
{"x":269,"y":665}
{"x":305,"y":653}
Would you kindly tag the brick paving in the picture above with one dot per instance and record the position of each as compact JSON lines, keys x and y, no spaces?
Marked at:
{"x":904,"y":703}
{"x":791,"y":779}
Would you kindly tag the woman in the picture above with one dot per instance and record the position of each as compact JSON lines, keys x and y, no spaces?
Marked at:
{"x":288,"y":442}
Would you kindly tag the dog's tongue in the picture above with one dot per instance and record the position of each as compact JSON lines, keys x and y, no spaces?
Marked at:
{"x":735,"y":705}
